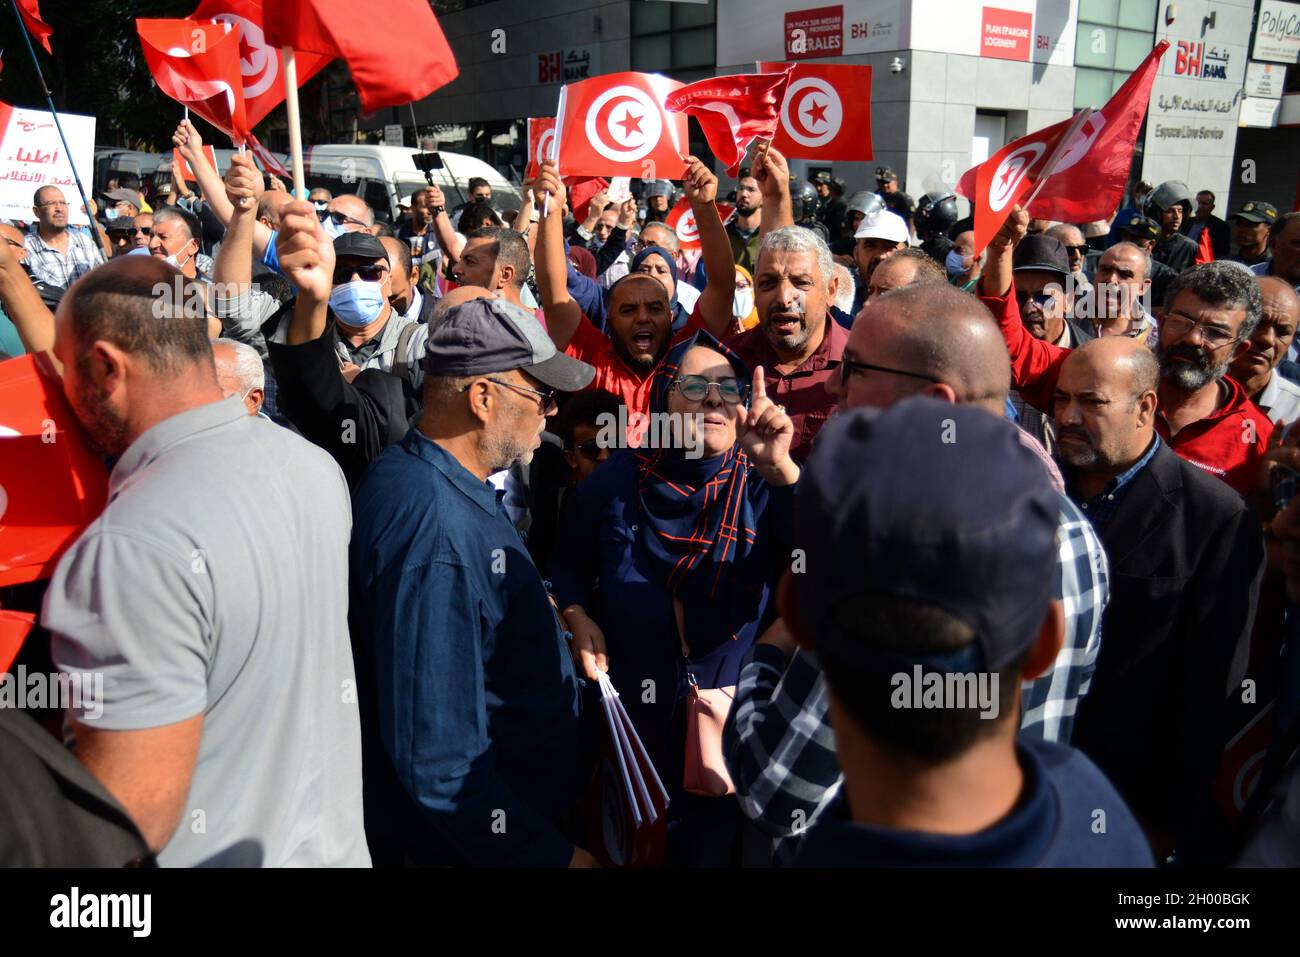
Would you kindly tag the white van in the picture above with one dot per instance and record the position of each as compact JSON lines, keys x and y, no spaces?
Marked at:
{"x":382,"y":175}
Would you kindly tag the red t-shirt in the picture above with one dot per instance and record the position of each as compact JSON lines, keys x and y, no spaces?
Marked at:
{"x":632,"y":389}
{"x":1230,"y":442}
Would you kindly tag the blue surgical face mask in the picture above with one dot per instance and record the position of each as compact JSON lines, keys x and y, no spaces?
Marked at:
{"x":358,"y":303}
{"x":955,"y":263}
{"x":111,"y":213}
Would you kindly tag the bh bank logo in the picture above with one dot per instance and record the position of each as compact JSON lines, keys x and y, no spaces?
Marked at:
{"x":1194,"y":60}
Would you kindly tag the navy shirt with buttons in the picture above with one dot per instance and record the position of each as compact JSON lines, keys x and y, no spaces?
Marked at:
{"x":468,"y":693}
{"x":1101,"y":508}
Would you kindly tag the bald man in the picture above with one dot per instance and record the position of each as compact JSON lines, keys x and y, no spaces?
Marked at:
{"x":1187,"y":556}
{"x":1257,"y":368}
{"x":920,"y":340}
{"x":907,"y":267}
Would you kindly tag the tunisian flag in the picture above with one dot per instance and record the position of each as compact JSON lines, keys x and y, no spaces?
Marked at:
{"x":30,"y":11}
{"x":541,"y":143}
{"x":681,"y":220}
{"x":1087,"y":180}
{"x":733,"y":111}
{"x":259,"y":62}
{"x":198,"y":64}
{"x":616,"y":125}
{"x":395,"y":58}
{"x":826,"y":113}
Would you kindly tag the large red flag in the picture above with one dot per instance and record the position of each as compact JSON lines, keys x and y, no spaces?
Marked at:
{"x":733,"y":111}
{"x":1087,"y":182}
{"x":198,"y":64}
{"x":259,"y":62}
{"x":826,"y":114}
{"x":681,"y":220}
{"x":581,"y":191}
{"x":30,"y":11}
{"x":541,"y":143}
{"x":51,"y":483}
{"x":395,"y":58}
{"x":616,"y":125}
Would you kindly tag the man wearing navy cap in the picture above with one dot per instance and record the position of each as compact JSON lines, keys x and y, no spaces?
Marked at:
{"x":924,"y":641}
{"x":1250,"y":228}
{"x":468,"y":694}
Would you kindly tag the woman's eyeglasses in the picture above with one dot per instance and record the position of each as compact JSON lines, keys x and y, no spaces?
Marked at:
{"x":695,"y":388}
{"x":371,"y":273}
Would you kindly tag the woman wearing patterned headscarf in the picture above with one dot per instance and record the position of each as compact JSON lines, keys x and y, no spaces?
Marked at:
{"x":703,"y":526}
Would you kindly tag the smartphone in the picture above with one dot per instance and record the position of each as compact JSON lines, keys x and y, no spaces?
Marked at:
{"x":426,"y":162}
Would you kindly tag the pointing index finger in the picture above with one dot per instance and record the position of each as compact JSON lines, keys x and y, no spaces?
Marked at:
{"x":760,"y":383}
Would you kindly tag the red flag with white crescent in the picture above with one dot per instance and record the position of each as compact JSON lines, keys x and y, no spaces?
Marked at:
{"x":259,"y":61}
{"x":826,"y":112}
{"x":616,"y":125}
{"x":733,"y":111}
{"x":681,"y":220}
{"x":1087,"y":181}
{"x":197,"y":64}
{"x":541,"y":145}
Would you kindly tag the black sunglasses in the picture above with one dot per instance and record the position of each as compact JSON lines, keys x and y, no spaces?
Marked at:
{"x":1040,"y":298}
{"x":342,"y":219}
{"x":142,"y":231}
{"x":589,"y":449}
{"x":371,"y":273}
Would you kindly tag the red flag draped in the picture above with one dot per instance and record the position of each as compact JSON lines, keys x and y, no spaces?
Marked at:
{"x":30,"y":11}
{"x":826,"y":113}
{"x":616,"y":125}
{"x":395,"y":58}
{"x":259,"y":62}
{"x":733,"y":111}
{"x":198,"y":64}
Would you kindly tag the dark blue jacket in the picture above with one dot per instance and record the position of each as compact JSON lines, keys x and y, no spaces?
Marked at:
{"x":1056,"y":823}
{"x":468,"y":694}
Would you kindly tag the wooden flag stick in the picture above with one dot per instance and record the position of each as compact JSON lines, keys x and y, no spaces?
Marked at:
{"x":295,"y":129}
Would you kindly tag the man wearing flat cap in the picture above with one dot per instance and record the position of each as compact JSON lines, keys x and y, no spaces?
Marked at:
{"x":468,"y":694}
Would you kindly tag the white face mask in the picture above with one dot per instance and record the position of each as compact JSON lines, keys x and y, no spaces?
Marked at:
{"x":179,"y":264}
{"x":742,"y":303}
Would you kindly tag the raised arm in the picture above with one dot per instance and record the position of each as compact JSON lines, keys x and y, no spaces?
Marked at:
{"x":187,"y":140}
{"x":524,"y":224}
{"x":242,"y":189}
{"x":307,"y":258}
{"x":446,"y":234}
{"x":562,"y":313}
{"x":701,"y":188}
{"x":1035,"y":364}
{"x":773,"y":176}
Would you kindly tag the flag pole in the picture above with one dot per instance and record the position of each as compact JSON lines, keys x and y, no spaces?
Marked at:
{"x":295,"y":130}
{"x":49,"y":100}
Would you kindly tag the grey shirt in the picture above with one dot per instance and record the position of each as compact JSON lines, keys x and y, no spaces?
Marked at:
{"x":215,"y":583}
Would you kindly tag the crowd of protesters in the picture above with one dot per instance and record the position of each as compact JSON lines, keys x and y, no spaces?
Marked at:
{"x":388,"y":500}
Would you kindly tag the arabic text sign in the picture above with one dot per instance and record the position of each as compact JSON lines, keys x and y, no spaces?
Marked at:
{"x":32,"y":156}
{"x":568,"y":65}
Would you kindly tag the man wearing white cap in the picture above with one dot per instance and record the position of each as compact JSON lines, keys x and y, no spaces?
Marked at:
{"x":880,"y":234}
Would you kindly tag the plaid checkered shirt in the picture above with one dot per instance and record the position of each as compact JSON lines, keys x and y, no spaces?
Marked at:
{"x":62,"y":269}
{"x":778,"y":741}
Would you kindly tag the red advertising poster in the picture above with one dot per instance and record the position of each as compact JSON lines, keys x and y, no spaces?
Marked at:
{"x":1006,"y":34}
{"x":814,"y":33}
